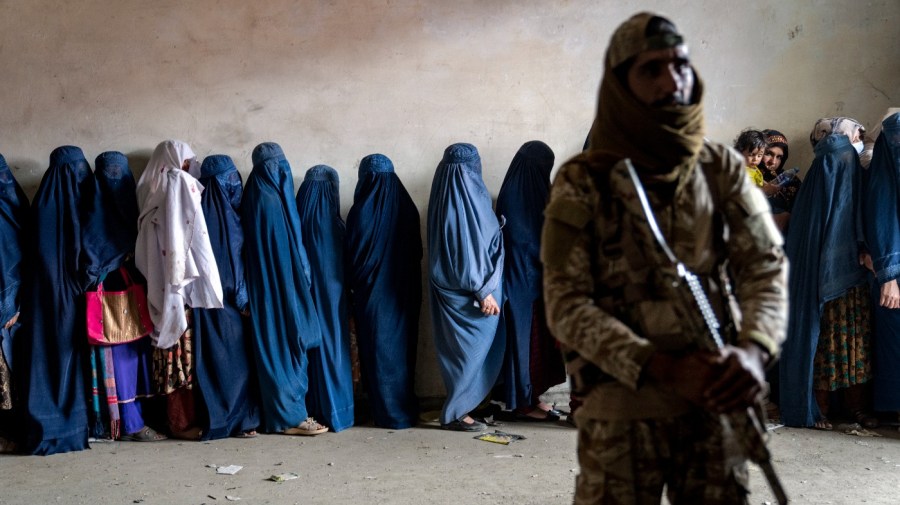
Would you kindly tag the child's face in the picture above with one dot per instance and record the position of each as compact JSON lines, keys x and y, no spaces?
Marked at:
{"x":753,"y":157}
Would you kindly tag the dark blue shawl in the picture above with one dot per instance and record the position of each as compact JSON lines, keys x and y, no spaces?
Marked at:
{"x":283,"y":315}
{"x":330,"y":399}
{"x":222,"y":354}
{"x":521,"y":201}
{"x":465,"y":259}
{"x":13,"y":222}
{"x":824,"y":253}
{"x":384,"y":275}
{"x":66,"y":259}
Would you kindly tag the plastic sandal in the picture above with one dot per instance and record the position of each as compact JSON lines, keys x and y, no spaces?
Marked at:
{"x":307,"y":428}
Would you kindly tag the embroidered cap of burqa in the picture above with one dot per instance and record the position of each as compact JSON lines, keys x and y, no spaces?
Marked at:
{"x":54,"y":347}
{"x":822,"y":247}
{"x":221,"y":336}
{"x":521,"y":201}
{"x":284,"y":320}
{"x":330,"y":398}
{"x":13,"y":222}
{"x":881,"y":211}
{"x":384,"y":258}
{"x":465,"y":259}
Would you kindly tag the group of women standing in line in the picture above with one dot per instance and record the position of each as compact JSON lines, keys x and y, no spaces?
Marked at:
{"x":843,"y":240}
{"x":250,"y":292}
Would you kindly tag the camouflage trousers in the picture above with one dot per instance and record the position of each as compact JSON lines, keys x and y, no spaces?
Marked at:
{"x":632,"y":462}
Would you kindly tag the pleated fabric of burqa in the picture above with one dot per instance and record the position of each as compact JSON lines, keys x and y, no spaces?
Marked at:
{"x":222,"y":348}
{"x":13,"y":224}
{"x":465,"y":259}
{"x":532,"y":363}
{"x":54,"y":346}
{"x":330,"y":398}
{"x":283,"y":316}
{"x":384,"y":275}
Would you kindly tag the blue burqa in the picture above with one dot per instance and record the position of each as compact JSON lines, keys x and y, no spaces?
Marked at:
{"x":384,"y":274}
{"x":521,"y":201}
{"x":222,"y":349}
{"x":13,"y":222}
{"x":283,"y":315}
{"x":465,"y":259}
{"x":66,"y":262}
{"x":823,"y":247}
{"x":330,"y":398}
{"x":881,"y":211}
{"x":115,"y":226}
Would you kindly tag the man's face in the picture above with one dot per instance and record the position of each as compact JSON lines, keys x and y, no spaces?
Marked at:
{"x":661,"y":77}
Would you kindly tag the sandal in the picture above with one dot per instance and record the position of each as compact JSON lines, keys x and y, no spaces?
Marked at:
{"x":823,"y":424}
{"x":537,"y":415}
{"x":306,"y":428}
{"x":460,"y":425}
{"x":246,"y":434}
{"x":865,"y":420}
{"x":145,"y":434}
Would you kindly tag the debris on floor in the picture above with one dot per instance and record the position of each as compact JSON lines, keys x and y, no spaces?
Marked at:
{"x":499,"y":437}
{"x":281,"y":477}
{"x":228,"y":470}
{"x":856,"y":430}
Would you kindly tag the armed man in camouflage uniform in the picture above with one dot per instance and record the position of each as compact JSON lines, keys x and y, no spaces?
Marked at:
{"x":650,"y":420}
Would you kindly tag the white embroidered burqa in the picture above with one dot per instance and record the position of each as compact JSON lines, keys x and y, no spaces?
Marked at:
{"x":173,"y":250}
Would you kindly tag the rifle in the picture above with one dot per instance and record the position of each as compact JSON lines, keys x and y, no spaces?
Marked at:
{"x":743,"y":432}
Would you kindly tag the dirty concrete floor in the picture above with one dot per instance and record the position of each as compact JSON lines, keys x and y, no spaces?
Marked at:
{"x":415,"y":466}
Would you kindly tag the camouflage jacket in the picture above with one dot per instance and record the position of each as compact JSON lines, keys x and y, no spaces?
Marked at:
{"x":602,"y":270}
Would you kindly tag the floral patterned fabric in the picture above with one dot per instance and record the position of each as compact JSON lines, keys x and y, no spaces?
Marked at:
{"x":174,"y":367}
{"x":842,"y":356}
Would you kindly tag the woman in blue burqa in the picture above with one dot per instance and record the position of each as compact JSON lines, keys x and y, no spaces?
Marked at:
{"x":121,"y":372}
{"x":13,"y":222}
{"x":330,"y":398}
{"x":465,"y":259}
{"x":384,"y":258}
{"x":228,"y":396}
{"x":283,"y":315}
{"x":881,"y":210}
{"x":828,"y":330}
{"x":53,"y":363}
{"x":532,"y":363}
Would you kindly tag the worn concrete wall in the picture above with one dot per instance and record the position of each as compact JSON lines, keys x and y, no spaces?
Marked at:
{"x":335,"y":80}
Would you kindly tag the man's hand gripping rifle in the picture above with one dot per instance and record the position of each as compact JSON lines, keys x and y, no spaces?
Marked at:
{"x":743,"y":431}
